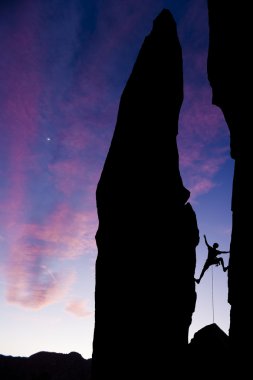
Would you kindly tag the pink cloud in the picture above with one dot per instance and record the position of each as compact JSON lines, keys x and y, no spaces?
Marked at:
{"x":211,"y":166}
{"x":201,"y":186}
{"x":71,"y":175}
{"x":35,"y":287}
{"x":78,"y":308}
{"x":198,"y":169}
{"x":22,"y":86}
{"x":198,"y":118}
{"x":199,"y":165}
{"x":201,"y":130}
{"x":67,"y":175}
{"x":77,"y":137}
{"x":35,"y":248}
{"x":65,"y":234}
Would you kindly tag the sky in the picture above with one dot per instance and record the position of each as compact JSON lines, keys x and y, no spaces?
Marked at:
{"x":63,"y":67}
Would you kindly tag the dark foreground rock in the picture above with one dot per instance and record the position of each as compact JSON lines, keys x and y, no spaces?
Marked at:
{"x":45,"y":366}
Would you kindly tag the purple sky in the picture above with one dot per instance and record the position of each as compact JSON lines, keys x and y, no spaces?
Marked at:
{"x":63,"y":67}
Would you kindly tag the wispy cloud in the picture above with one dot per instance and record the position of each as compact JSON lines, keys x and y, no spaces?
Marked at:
{"x":33,"y":286}
{"x":71,"y":177}
{"x":78,"y":308}
{"x":200,"y":164}
{"x":201,"y":186}
{"x":203,"y":135}
{"x":199,"y":119}
{"x":36,"y":248}
{"x":203,"y":141}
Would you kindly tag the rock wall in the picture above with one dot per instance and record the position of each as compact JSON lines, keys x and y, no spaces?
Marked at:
{"x":230,"y":75}
{"x":145,"y":290}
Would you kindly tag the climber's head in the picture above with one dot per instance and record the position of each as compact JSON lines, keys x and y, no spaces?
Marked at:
{"x":215,"y":245}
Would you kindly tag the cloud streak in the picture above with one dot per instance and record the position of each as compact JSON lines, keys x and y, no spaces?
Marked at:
{"x":30,"y":281}
{"x":203,"y":135}
{"x":78,"y":308}
{"x":34,"y":286}
{"x":203,"y":141}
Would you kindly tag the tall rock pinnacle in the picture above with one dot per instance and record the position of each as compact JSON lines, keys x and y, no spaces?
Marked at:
{"x":230,"y":75}
{"x":145,"y":291}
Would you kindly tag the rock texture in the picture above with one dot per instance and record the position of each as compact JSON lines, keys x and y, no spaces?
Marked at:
{"x":230,"y":75}
{"x":145,"y":291}
{"x":45,"y":366}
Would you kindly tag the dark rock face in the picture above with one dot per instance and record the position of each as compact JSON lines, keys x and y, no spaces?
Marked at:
{"x":209,"y":354}
{"x":230,"y":75}
{"x":45,"y":366}
{"x":145,"y":291}
{"x":210,"y":337}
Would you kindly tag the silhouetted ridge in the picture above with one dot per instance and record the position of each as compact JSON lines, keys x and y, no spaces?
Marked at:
{"x":45,"y":366}
{"x":145,"y":290}
{"x":230,"y":75}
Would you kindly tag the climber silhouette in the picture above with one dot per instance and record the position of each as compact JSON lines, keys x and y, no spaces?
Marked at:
{"x":212,"y":258}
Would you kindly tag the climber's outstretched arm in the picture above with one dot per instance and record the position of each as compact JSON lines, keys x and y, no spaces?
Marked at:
{"x":206,"y":241}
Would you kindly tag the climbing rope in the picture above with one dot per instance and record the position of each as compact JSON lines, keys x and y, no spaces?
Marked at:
{"x":212,"y":295}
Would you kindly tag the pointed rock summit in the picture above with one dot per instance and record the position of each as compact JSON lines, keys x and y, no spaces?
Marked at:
{"x":147,"y":234}
{"x":164,"y":23}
